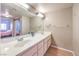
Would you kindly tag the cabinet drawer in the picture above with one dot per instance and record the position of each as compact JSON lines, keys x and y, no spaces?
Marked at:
{"x":49,"y":37}
{"x":31,"y":51}
{"x":45,"y":40}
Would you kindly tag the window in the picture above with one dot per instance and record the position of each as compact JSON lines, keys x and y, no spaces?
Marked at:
{"x":3,"y":26}
{"x":7,"y":27}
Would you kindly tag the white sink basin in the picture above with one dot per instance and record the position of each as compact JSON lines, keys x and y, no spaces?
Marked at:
{"x":23,"y":42}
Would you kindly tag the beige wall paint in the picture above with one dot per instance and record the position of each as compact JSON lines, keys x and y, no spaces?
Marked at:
{"x":25,"y":24}
{"x":76,"y":28}
{"x":60,"y":24}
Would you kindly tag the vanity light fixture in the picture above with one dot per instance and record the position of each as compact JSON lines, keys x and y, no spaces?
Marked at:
{"x":41,"y":9}
{"x":39,"y":14}
{"x":24,"y":5}
{"x":6,"y":14}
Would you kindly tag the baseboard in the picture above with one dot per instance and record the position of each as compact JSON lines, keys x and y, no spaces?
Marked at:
{"x":63,"y":49}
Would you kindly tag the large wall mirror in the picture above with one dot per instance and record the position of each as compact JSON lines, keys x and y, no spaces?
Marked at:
{"x":16,"y":21}
{"x":10,"y":21}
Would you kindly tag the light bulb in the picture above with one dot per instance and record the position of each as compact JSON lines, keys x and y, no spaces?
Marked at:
{"x":40,"y":15}
{"x":6,"y":14}
{"x":24,"y":5}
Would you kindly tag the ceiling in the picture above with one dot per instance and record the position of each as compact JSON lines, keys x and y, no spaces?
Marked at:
{"x":47,"y":7}
{"x":42,"y":7}
{"x":15,"y":10}
{"x":11,"y":10}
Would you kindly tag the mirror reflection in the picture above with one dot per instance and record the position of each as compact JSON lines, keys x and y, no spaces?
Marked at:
{"x":16,"y":21}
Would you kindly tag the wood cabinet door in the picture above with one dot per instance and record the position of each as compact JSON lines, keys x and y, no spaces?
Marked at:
{"x":32,"y":51}
{"x":40,"y":49}
{"x":45,"y":46}
{"x":35,"y":54}
{"x":49,"y":43}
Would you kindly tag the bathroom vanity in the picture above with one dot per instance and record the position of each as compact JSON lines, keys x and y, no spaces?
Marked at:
{"x":30,"y":46}
{"x":17,"y":37}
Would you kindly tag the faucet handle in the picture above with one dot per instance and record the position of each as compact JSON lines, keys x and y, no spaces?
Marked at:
{"x":20,"y":39}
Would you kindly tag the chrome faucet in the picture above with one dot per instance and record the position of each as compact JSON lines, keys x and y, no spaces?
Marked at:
{"x":20,"y":39}
{"x":32,"y":33}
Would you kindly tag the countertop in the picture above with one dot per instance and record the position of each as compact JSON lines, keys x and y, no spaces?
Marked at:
{"x":12,"y":48}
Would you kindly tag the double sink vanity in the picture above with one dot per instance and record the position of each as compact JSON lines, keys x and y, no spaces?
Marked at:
{"x":36,"y":45}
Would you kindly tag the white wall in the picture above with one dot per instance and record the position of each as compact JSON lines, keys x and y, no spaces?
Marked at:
{"x":58,"y":22}
{"x":76,"y":28}
{"x":25,"y":24}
